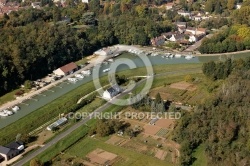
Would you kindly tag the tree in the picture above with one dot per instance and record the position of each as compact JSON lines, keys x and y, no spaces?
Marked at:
{"x":36,"y":162}
{"x":189,"y":78}
{"x":209,"y":6}
{"x":28,"y":84}
{"x":158,"y":98}
{"x":130,"y":132}
{"x":231,"y":4}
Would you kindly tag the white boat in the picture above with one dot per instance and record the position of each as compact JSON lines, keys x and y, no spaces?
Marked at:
{"x":79,"y":76}
{"x":15,"y":108}
{"x":72,"y":79}
{"x":3,"y":114}
{"x":188,"y":57}
{"x":86,"y":72}
{"x":177,"y":55}
{"x":110,"y":60}
{"x":171,"y":55}
{"x":106,"y":70}
{"x":8,"y":112}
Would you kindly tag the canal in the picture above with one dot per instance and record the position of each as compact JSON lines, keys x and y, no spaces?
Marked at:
{"x":47,"y":96}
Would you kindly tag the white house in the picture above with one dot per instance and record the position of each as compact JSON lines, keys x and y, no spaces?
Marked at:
{"x":36,"y":5}
{"x":184,"y":13}
{"x":192,"y":38}
{"x":111,"y":92}
{"x":238,"y":5}
{"x":85,"y":1}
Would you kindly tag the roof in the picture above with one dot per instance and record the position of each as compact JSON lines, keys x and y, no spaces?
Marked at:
{"x":179,"y":36}
{"x":190,"y":29}
{"x":114,"y":88}
{"x":1,"y":158}
{"x":4,"y":150}
{"x":170,"y":4}
{"x":181,"y":23}
{"x":3,"y":1}
{"x":201,"y":29}
{"x":14,"y":145}
{"x":69,"y":67}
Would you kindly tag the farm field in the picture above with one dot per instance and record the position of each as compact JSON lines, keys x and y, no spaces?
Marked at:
{"x":126,"y":157}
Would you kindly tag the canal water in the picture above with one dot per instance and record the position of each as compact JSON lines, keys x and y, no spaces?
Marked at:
{"x":44,"y":98}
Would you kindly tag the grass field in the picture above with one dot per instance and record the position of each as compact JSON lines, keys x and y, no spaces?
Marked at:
{"x":129,"y":157}
{"x":199,"y":154}
{"x":46,"y":113}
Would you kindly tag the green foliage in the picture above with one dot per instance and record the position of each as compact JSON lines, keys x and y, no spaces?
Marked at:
{"x":235,"y":38}
{"x":222,"y":123}
{"x":220,"y":70}
{"x":28,"y":84}
{"x":189,"y":78}
{"x":105,"y":127}
{"x":36,"y":162}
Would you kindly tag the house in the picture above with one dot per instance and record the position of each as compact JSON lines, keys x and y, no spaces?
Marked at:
{"x":2,"y":3}
{"x":167,"y":35}
{"x":111,"y":92}
{"x":169,"y":6}
{"x":181,"y":29}
{"x":158,"y":41}
{"x":66,"y":69}
{"x":191,"y":30}
{"x":85,"y":1}
{"x":192,"y":38}
{"x":238,"y":5}
{"x":201,"y":31}
{"x":11,"y":150}
{"x":181,"y":24}
{"x":8,"y":7}
{"x":36,"y":5}
{"x":197,"y":18}
{"x":176,"y":37}
{"x":184,"y":13}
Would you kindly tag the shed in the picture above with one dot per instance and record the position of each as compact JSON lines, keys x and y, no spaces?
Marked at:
{"x":66,"y":69}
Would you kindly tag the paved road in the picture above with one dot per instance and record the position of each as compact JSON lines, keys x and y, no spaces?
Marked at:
{"x":84,"y":121}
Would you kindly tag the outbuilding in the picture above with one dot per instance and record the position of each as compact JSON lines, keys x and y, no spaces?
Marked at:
{"x":66,"y":69}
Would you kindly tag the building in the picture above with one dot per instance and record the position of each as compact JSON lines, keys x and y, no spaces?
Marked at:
{"x":184,"y":14}
{"x":2,"y":3}
{"x":36,"y":5}
{"x":181,"y":24}
{"x":176,"y":37}
{"x":66,"y":69}
{"x":169,"y":6}
{"x":85,"y":1}
{"x":112,"y":92}
{"x":158,"y":41}
{"x":191,"y":30}
{"x":57,"y":123}
{"x":11,"y":150}
{"x":238,"y":5}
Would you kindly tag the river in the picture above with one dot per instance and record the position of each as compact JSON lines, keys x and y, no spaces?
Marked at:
{"x":44,"y":98}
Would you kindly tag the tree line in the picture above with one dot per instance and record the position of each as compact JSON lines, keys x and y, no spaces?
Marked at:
{"x":35,"y":42}
{"x":221,"y":124}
